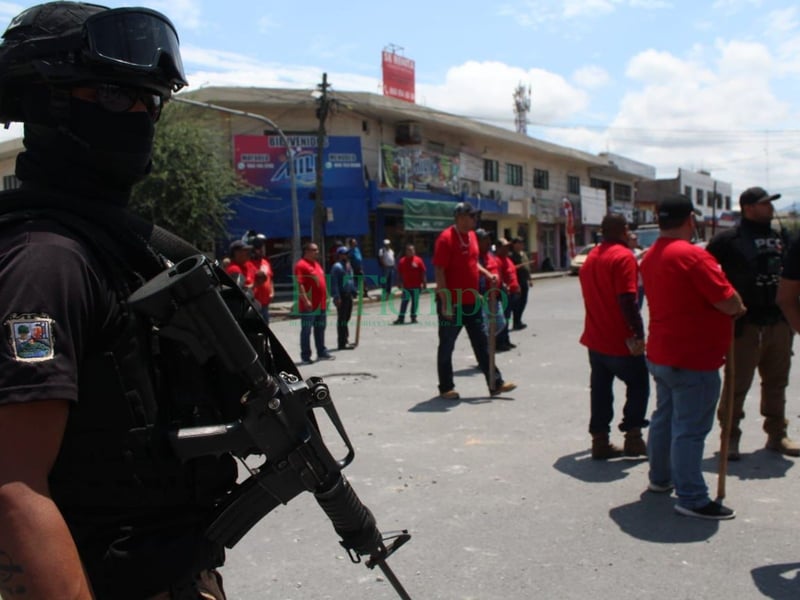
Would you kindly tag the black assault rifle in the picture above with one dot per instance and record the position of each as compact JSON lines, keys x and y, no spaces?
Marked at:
{"x":277,"y":420}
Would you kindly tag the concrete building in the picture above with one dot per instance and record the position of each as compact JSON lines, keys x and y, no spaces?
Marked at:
{"x":710,"y":195}
{"x":394,"y":169}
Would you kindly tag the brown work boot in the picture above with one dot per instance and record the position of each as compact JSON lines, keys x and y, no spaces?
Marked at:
{"x":634,"y":444}
{"x":783,"y":444}
{"x":602,"y":449}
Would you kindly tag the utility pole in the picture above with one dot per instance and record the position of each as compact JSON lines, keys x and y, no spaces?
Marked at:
{"x":714,"y":211}
{"x":320,"y":214}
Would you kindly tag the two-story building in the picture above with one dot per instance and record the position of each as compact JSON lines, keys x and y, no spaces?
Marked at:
{"x":394,"y":169}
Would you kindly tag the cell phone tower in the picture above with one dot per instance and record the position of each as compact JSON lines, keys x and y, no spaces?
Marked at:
{"x":522,"y":106}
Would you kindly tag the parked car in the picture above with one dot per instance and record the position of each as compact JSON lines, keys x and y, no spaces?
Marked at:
{"x":576,"y":263}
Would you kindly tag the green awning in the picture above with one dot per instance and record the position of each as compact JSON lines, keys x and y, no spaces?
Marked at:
{"x":427,"y":215}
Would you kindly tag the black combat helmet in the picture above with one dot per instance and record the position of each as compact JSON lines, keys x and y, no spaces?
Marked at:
{"x":67,"y":43}
{"x":253,"y":238}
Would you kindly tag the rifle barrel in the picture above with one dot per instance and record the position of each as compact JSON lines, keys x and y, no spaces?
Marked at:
{"x":393,"y":580}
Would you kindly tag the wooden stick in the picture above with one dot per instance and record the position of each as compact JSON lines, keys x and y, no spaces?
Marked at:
{"x":359,"y":310}
{"x":726,"y":423}
{"x":492,"y":338}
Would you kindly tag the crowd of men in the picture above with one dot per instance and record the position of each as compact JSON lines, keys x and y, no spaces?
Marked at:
{"x":734,"y":301}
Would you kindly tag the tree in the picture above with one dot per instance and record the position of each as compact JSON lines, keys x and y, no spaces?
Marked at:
{"x":189,"y":190}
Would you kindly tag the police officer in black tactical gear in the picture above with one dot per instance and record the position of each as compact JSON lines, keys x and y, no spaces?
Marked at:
{"x":93,"y":503}
{"x":752,"y":257}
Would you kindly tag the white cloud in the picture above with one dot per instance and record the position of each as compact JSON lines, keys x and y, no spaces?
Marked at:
{"x":185,"y":14}
{"x":267,"y":25}
{"x":591,"y":77}
{"x":484,"y":90}
{"x":9,"y":10}
{"x":533,"y":13}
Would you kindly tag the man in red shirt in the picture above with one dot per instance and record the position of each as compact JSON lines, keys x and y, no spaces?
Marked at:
{"x":490,"y":290}
{"x":312,"y":300}
{"x":511,"y":287}
{"x":240,"y":268}
{"x":413,"y":276}
{"x":614,"y":334}
{"x":263,"y":285}
{"x":692,"y":306}
{"x":459,"y":302}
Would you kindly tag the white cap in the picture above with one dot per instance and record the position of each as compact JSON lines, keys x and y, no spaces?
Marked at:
{"x":386,"y":242}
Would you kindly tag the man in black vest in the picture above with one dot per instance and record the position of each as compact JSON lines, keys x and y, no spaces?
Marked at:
{"x":93,"y":503}
{"x":751,"y":255}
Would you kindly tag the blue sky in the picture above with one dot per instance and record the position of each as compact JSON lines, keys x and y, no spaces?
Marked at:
{"x":673,"y":84}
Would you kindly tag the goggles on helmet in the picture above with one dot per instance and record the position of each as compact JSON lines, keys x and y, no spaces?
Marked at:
{"x":134,"y":37}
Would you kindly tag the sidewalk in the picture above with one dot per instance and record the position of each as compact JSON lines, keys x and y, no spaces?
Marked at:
{"x":281,"y":306}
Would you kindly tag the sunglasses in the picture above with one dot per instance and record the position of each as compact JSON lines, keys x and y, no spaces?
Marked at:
{"x":119,"y":99}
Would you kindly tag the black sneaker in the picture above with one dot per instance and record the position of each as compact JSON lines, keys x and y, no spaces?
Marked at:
{"x":326,"y":356}
{"x":713,"y":510}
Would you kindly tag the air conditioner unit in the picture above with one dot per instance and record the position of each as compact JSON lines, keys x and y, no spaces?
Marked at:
{"x":408,"y":132}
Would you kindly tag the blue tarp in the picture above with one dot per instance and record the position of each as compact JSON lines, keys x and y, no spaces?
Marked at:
{"x":271,"y":213}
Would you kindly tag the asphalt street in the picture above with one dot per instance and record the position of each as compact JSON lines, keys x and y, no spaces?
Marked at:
{"x":500,"y":495}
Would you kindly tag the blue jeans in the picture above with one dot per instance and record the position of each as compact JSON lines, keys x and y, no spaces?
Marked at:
{"x":684,"y":415}
{"x":316,"y":321}
{"x":412,"y":295}
{"x":388,"y":280}
{"x":470,"y":317}
{"x":632,"y":370}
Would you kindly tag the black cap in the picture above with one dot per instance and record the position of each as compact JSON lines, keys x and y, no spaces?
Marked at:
{"x":482,"y":234}
{"x":465,"y":208}
{"x":676,"y":207}
{"x":754,"y":195}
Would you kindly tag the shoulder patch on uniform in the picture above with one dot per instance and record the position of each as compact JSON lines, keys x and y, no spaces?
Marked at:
{"x":31,"y":337}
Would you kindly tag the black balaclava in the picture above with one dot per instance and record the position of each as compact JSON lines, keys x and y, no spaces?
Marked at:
{"x":89,"y":151}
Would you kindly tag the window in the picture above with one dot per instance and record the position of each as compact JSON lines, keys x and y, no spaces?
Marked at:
{"x":10,"y":182}
{"x":700,"y":198}
{"x":622,"y":193}
{"x":727,"y":202}
{"x":541,"y":179}
{"x":513,"y":174}
{"x":491,"y":170}
{"x":573,"y":184}
{"x":687,"y":191}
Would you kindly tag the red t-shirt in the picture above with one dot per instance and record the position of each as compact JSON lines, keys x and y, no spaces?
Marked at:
{"x":311,"y":277}
{"x":609,"y":270}
{"x":682,"y":283}
{"x":509,"y":274}
{"x":264,"y":292}
{"x":412,"y":272}
{"x":457,"y":254}
{"x":246,"y":271}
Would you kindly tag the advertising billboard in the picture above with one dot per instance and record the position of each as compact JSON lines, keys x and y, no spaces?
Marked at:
{"x":262,"y":160}
{"x":398,"y":77}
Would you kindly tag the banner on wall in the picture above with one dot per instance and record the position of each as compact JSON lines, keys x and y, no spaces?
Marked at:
{"x":569,"y":225}
{"x":262,"y":160}
{"x":416,"y":169}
